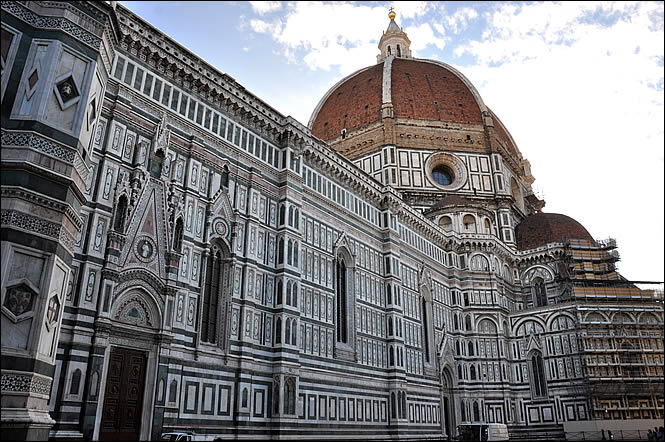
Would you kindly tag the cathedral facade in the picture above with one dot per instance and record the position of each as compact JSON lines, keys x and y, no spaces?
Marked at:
{"x":176,"y":254}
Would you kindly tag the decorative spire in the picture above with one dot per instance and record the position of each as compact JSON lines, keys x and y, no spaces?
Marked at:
{"x":394,"y":42}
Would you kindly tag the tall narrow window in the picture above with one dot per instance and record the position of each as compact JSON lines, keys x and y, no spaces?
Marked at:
{"x":120,"y":215}
{"x":341,"y":301}
{"x":476,"y":412}
{"x":212,"y":293}
{"x":540,"y":293}
{"x":289,"y":395}
{"x":425,"y":327}
{"x":278,"y":331}
{"x":280,"y":251}
{"x":177,"y":235}
{"x":538,"y":381}
{"x":76,"y":382}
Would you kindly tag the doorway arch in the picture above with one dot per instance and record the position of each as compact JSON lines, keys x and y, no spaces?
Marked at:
{"x":447,"y":403}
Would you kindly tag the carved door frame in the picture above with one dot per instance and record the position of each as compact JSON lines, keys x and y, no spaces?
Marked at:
{"x":151,"y":350}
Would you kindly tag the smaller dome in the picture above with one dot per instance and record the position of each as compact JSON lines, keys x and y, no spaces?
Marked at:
{"x":544,"y":228}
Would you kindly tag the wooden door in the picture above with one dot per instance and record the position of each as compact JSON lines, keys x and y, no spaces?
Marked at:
{"x":123,"y":397}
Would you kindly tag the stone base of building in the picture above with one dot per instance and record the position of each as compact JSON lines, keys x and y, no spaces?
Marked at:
{"x":25,"y":424}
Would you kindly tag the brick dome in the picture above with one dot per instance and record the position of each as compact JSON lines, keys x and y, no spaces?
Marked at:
{"x":544,"y":228}
{"x":415,"y":88}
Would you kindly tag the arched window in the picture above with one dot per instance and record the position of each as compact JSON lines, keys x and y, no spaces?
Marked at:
{"x":476,"y":412}
{"x":76,"y":382}
{"x":538,"y":380}
{"x":288,"y":293}
{"x":280,"y":289}
{"x":539,"y":292}
{"x":467,"y":321}
{"x":487,"y":225}
{"x":294,"y":332}
{"x":214,"y":277}
{"x":390,"y":326}
{"x":470,"y":347}
{"x":245,"y":397}
{"x":177,"y":235}
{"x":466,"y":299}
{"x":295,"y":254}
{"x":463,"y":408}
{"x":280,"y":251}
{"x":173,"y":390}
{"x":391,"y":354}
{"x":120,"y":215}
{"x":469,"y":223}
{"x":459,"y":375}
{"x":393,"y":410}
{"x":404,"y":404}
{"x":472,"y":371}
{"x":399,"y":51}
{"x":297,"y":219}
{"x":287,"y":332}
{"x":294,"y":295}
{"x":289,"y":395}
{"x":291,"y":216}
{"x":389,"y":51}
{"x":289,"y":253}
{"x":455,"y":322}
{"x":389,"y":294}
{"x":342,"y":335}
{"x":423,"y":309}
{"x":282,"y":214}
{"x":446,"y":223}
{"x":278,"y":331}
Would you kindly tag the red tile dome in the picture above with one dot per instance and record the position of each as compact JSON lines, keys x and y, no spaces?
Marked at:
{"x":544,"y":228}
{"x":417,"y":89}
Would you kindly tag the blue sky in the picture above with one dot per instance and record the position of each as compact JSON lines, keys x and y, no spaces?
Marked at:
{"x":579,"y":86}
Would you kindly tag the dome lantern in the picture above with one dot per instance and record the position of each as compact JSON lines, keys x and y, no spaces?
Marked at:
{"x":394,"y":42}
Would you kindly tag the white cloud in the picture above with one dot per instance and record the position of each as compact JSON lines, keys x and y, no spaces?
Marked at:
{"x":410,"y":9}
{"x":459,"y":21}
{"x":265,"y":7}
{"x":422,"y":36}
{"x":329,"y":35}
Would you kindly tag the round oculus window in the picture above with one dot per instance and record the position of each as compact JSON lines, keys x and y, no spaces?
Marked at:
{"x":443,"y":176}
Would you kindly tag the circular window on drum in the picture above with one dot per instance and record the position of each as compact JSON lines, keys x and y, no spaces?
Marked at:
{"x":445,"y":171}
{"x":443,"y":175}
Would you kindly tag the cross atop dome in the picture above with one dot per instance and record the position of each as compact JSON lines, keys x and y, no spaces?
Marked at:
{"x":394,"y":42}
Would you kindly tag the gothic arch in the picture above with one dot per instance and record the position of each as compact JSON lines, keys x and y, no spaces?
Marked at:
{"x":555,"y":316}
{"x":536,"y":271}
{"x":540,"y":326}
{"x":137,"y":307}
{"x":479,"y":263}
